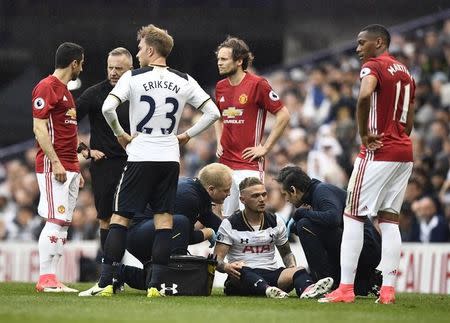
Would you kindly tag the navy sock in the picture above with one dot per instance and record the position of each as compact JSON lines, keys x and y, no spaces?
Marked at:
{"x":254,"y":282}
{"x":103,"y":235}
{"x":133,"y":277}
{"x":301,"y":280}
{"x":160,"y":255}
{"x":113,"y":253}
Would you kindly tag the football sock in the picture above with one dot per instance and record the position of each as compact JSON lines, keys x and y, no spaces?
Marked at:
{"x":62,"y":237}
{"x":113,"y":253}
{"x":103,"y":235}
{"x":48,"y":247}
{"x":162,"y":246}
{"x":133,"y":276}
{"x":301,"y":280}
{"x":254,"y":282}
{"x":390,"y":252}
{"x":352,"y":243}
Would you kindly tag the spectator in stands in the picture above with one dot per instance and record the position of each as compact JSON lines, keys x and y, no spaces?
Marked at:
{"x":431,"y":227}
{"x":26,"y":225}
{"x":316,"y":107}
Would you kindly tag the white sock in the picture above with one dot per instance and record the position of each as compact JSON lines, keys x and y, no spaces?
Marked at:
{"x":62,"y":237}
{"x":352,"y":243}
{"x":48,"y":245}
{"x":391,"y":243}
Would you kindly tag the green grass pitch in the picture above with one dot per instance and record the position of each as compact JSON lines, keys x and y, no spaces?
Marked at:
{"x":20,"y":303}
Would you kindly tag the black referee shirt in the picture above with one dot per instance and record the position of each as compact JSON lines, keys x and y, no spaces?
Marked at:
{"x":102,"y":138}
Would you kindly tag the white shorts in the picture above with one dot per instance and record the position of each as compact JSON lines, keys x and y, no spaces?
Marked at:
{"x":232,"y":202}
{"x":57,"y":200}
{"x":377,"y":186}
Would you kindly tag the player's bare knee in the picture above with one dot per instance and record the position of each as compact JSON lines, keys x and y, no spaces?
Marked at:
{"x":104,"y":223}
{"x":387,"y":216}
{"x":163,"y":221}
{"x":118,"y":219}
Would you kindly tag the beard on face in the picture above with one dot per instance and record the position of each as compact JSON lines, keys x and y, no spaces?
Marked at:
{"x":230,"y":72}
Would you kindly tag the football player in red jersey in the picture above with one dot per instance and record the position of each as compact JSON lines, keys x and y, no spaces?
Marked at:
{"x":381,"y":171}
{"x":244,"y":99}
{"x":57,"y":167}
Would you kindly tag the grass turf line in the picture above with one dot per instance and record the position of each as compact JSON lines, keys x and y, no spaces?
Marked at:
{"x":20,"y":303}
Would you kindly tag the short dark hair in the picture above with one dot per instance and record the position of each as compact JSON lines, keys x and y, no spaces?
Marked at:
{"x":293,"y":176}
{"x":380,"y":31}
{"x":249,"y":181}
{"x":239,"y":49}
{"x":67,"y":53}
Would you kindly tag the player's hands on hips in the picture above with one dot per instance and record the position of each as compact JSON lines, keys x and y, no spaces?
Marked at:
{"x":233,"y":269}
{"x":219,"y":151}
{"x":183,"y":139}
{"x":97,"y":154}
{"x":253,"y":153}
{"x":124,"y":140}
{"x":59,"y":171}
{"x":372,"y":141}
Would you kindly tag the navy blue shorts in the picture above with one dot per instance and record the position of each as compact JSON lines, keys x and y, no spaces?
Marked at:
{"x":154,"y":183}
{"x":236,"y":287}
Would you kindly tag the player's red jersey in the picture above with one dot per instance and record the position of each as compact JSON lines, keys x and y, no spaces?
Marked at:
{"x":389,"y":106}
{"x":52,"y":100}
{"x":243,"y":108}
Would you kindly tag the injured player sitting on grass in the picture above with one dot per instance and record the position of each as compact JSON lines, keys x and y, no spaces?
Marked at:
{"x":249,"y":238}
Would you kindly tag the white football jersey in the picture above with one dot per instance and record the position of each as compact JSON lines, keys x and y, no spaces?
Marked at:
{"x":254,"y":247}
{"x":157,"y":97}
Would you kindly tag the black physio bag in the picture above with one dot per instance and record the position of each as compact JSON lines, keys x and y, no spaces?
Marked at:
{"x":187,"y":275}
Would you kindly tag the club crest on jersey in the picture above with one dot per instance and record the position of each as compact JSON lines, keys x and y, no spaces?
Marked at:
{"x":364,"y":72}
{"x":72,"y":113}
{"x":243,"y":98}
{"x":39,"y":103}
{"x":61,"y":209}
{"x":273,"y":96}
{"x":232,"y":112}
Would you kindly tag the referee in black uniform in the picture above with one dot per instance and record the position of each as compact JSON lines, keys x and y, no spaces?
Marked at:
{"x":108,"y":156}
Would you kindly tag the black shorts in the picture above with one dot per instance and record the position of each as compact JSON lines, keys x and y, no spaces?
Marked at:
{"x":105,"y":174}
{"x":154,"y":183}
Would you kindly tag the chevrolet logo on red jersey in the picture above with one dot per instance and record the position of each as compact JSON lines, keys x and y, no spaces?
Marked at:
{"x":232,"y":112}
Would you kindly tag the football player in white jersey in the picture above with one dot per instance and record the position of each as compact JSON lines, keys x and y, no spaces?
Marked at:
{"x":249,"y":238}
{"x":157,"y":95}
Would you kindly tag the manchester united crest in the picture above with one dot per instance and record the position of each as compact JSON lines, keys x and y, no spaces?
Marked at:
{"x":72,"y":113}
{"x":243,"y":98}
{"x":61,"y":209}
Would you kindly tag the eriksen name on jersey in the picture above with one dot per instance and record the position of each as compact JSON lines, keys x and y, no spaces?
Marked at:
{"x":151,"y":85}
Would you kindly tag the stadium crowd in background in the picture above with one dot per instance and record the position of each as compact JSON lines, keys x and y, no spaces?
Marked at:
{"x":321,"y":138}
